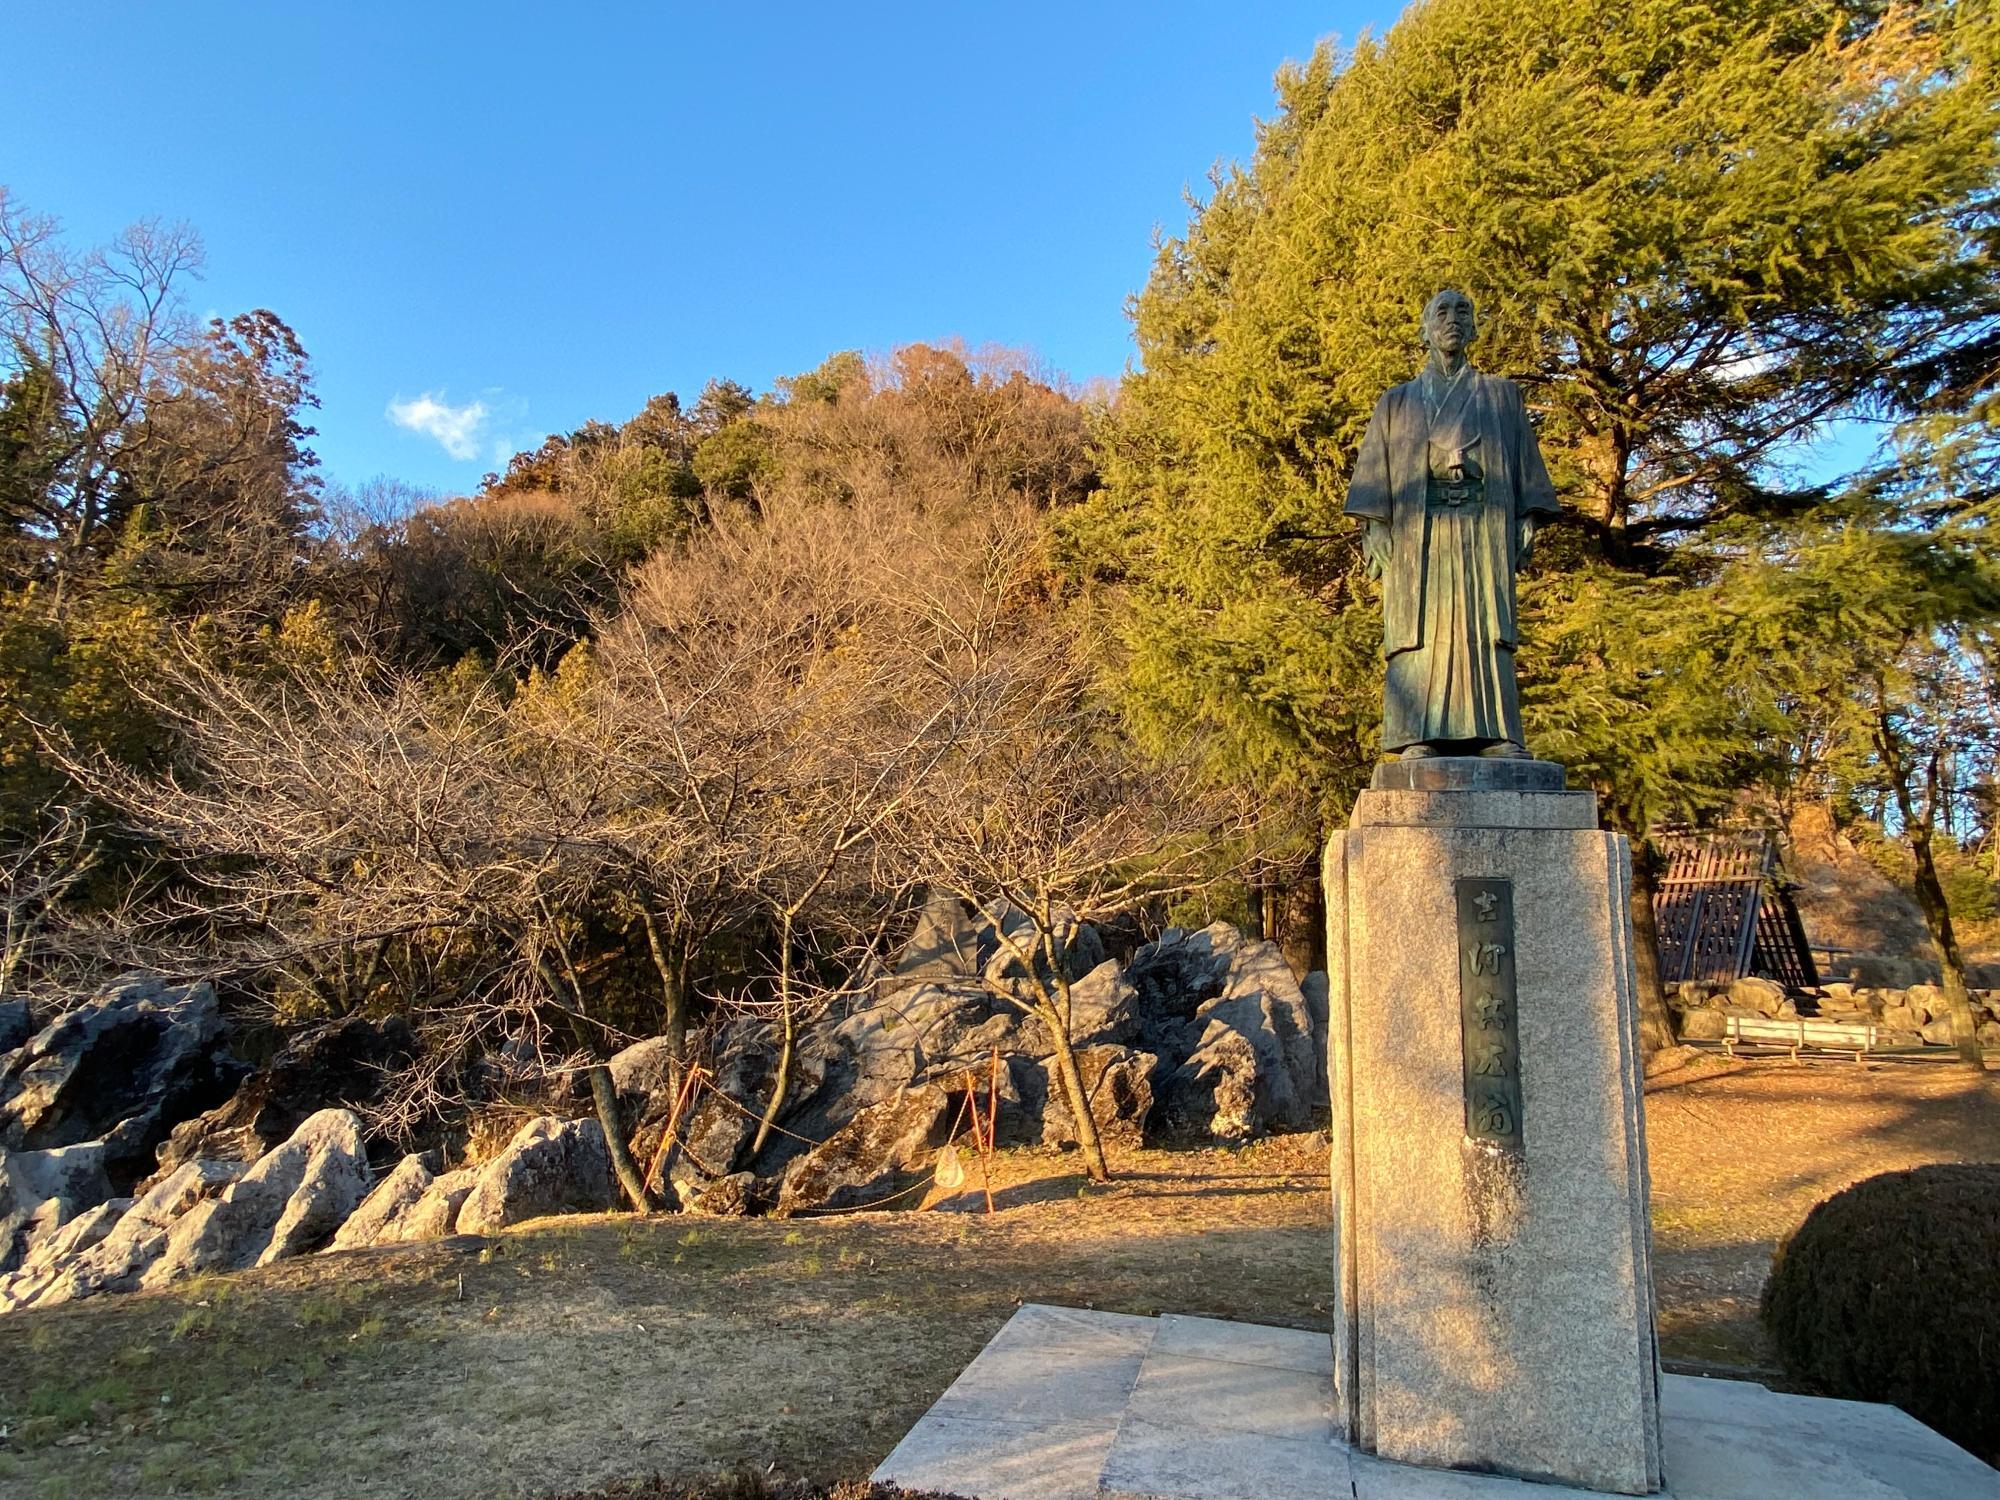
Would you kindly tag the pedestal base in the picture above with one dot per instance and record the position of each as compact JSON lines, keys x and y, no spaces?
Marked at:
{"x":1489,"y":1162}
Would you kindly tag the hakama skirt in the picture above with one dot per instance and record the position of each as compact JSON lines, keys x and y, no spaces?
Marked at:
{"x":1457,"y":684}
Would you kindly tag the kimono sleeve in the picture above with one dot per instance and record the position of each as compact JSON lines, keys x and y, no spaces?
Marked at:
{"x":1368,"y":491}
{"x":1537,"y":491}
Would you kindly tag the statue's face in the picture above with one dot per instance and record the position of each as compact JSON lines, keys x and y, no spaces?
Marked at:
{"x":1449,"y":325}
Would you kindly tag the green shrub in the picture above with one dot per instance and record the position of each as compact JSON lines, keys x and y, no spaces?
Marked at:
{"x":1887,"y":1292}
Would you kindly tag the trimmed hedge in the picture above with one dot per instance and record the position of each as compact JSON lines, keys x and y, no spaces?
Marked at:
{"x":1890,"y":1291}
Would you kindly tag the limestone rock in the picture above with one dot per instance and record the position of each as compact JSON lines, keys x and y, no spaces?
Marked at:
{"x":723,"y":1122}
{"x":1251,"y":1069}
{"x":49,"y":1255}
{"x":1938,"y":1033}
{"x":1215,"y":1091}
{"x":343,"y":1066}
{"x":16,"y":1025}
{"x":930,"y":1028}
{"x":1260,"y":982}
{"x":75,"y":1174}
{"x":1316,"y":987}
{"x":1704,"y":1025}
{"x":1752,"y":992}
{"x":728,"y":1197}
{"x":380,"y":1216}
{"x":1180,"y":970}
{"x":291,"y":1201}
{"x":1989,"y":1034}
{"x":25,"y":1226}
{"x":1902,"y":1018}
{"x":1104,"y":1008}
{"x":550,"y":1167}
{"x":435,"y":1214}
{"x":870,"y":1161}
{"x":643,"y":1070}
{"x":1000,"y":961}
{"x":122,"y":1068}
{"x":1118,"y":1081}
{"x":945,"y":944}
{"x":1926,"y":998}
{"x":136,"y":1240}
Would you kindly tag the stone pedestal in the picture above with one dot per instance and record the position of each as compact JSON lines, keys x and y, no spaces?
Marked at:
{"x":1489,"y":1164}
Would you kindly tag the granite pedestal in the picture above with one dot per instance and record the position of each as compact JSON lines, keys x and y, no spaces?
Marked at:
{"x":1495,"y":1297}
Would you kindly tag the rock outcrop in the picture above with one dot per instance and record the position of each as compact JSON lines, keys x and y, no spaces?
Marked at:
{"x":436,"y":1213}
{"x":1910,"y":1016}
{"x":292,"y":1200}
{"x":382,"y":1214}
{"x":1205,"y":1035}
{"x":121,"y":1070}
{"x":872,"y":1161}
{"x":1253,"y":1063}
{"x":1118,"y":1082}
{"x":129,"y":1247}
{"x":343,"y":1066}
{"x":550,"y":1167}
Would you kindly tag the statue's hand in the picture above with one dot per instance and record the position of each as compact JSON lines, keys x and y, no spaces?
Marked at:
{"x":1375,"y":548}
{"x":1530,"y":524}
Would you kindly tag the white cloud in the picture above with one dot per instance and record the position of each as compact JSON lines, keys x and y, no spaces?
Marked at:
{"x":458,"y":429}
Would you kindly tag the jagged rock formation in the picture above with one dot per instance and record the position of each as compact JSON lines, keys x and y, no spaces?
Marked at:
{"x":343,"y":1066}
{"x":120,"y":1070}
{"x":550,"y":1167}
{"x":1203,"y":1036}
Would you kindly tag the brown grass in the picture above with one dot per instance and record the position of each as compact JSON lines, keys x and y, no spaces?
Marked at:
{"x":578,"y":1353}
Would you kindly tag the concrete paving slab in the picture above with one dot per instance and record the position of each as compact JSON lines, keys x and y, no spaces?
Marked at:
{"x":1175,"y":1391}
{"x":985,"y":1459}
{"x":1245,"y":1343}
{"x":1068,"y":1404}
{"x":1153,"y":1461}
{"x":1757,"y":1444}
{"x":1049,"y":1327}
{"x":1024,"y":1383}
{"x":1376,"y":1479}
{"x":1054,"y":1364}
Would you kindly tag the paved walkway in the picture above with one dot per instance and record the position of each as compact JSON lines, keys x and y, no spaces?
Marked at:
{"x":1072,"y":1405}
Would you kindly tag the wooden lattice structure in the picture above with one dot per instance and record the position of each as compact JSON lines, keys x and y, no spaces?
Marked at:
{"x":1724,"y":911}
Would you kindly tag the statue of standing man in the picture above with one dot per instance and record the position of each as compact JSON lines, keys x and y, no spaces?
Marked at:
{"x":1450,"y":482}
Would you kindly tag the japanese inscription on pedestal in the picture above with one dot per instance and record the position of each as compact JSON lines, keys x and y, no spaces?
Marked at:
{"x":1487,"y":1016}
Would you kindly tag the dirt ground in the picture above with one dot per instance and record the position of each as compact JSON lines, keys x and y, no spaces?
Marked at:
{"x":578,"y":1352}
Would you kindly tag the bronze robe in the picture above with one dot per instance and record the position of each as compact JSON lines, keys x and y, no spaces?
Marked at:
{"x":1448,"y":626}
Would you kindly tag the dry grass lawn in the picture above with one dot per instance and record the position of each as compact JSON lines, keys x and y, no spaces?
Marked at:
{"x":577,"y":1352}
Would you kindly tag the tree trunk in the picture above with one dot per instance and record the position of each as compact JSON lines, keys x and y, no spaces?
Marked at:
{"x":1930,"y":890}
{"x":670,"y":959}
{"x":1937,"y":917}
{"x":782,"y":1084}
{"x":1303,"y":929}
{"x":1079,"y":1101}
{"x":606,"y":1096}
{"x":1656,"y":1023}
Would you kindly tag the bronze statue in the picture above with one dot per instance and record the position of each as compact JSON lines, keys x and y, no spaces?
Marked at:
{"x":1450,"y":482}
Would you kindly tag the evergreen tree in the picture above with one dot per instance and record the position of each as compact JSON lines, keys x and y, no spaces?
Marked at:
{"x":1695,"y":234}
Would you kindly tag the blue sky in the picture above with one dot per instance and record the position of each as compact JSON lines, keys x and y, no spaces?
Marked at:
{"x":529,"y":216}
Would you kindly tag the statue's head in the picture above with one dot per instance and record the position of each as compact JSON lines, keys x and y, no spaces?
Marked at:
{"x":1449,"y":325}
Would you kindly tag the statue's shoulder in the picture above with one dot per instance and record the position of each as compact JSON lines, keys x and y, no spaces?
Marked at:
{"x":1400,"y":395}
{"x":1497,"y":388}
